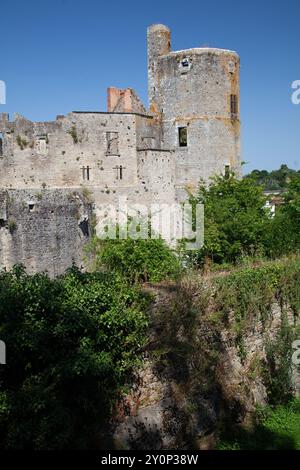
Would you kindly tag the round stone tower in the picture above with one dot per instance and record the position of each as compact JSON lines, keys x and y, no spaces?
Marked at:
{"x":159,"y":43}
{"x":196,"y":94}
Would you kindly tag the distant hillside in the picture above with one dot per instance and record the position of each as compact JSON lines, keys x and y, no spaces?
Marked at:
{"x":276,"y":179}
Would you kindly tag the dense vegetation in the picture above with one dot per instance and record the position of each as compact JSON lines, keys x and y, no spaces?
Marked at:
{"x":250,"y":294}
{"x":239,"y":226}
{"x":135,"y":260}
{"x":235,"y":219}
{"x":71,"y":344}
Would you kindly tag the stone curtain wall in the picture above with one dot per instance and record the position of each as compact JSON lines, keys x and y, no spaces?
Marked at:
{"x":44,"y":230}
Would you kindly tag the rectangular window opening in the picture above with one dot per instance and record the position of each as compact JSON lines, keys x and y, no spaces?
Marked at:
{"x":112,"y":143}
{"x":182,"y":136}
{"x":234,"y":105}
{"x":227,"y":171}
{"x":41,"y":144}
{"x":1,"y":144}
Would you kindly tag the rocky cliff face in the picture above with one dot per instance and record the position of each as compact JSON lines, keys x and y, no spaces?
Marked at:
{"x":195,"y":372}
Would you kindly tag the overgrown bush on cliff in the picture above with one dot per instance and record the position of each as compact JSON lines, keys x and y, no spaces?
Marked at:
{"x":70,"y":344}
{"x":249,"y":294}
{"x":135,"y":260}
{"x":277,"y":373}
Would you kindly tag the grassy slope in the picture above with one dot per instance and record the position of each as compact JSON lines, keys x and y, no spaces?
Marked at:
{"x":278,"y":428}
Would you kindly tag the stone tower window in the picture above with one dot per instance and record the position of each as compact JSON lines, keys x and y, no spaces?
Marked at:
{"x":86,"y":173}
{"x":182,"y":136}
{"x":185,"y":65}
{"x":112,"y":143}
{"x":1,"y":144}
{"x":234,"y":105}
{"x":227,"y":171}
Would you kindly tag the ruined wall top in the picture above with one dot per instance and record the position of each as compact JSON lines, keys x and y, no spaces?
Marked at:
{"x":204,"y":50}
{"x":125,"y":101}
{"x":158,"y":27}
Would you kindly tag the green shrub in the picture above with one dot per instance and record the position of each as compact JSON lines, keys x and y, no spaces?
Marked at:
{"x":248,"y":294}
{"x":277,"y":372}
{"x":71,"y":343}
{"x":135,"y":260}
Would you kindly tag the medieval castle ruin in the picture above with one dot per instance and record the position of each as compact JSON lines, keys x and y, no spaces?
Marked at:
{"x":56,"y":175}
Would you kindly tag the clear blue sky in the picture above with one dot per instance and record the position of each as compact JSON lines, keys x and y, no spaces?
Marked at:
{"x":60,"y":55}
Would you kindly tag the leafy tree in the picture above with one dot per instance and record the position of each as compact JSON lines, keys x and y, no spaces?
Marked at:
{"x":71,"y":343}
{"x":235,"y":219}
{"x":283,"y":237}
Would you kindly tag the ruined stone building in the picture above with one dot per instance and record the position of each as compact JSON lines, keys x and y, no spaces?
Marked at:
{"x":50,"y":172}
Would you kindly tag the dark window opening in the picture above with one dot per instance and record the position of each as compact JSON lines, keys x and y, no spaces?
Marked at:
{"x":234,"y":104}
{"x":185,"y":63}
{"x":1,"y":144}
{"x":182,"y":136}
{"x":227,"y":171}
{"x":31,"y":207}
{"x":86,"y":173}
{"x":84,"y":227}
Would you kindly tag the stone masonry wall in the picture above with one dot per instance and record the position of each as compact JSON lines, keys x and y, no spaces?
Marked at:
{"x":44,"y":230}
